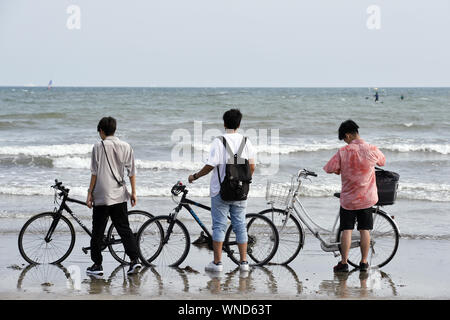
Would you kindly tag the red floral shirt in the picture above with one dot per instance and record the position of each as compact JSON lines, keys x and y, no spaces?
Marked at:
{"x":355,"y":163}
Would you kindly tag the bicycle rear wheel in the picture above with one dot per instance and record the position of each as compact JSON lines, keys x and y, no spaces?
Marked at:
{"x":384,"y":240}
{"x":32,"y":244}
{"x":291,"y":235}
{"x":262,"y":242}
{"x":159,"y":246}
{"x":136,"y":218}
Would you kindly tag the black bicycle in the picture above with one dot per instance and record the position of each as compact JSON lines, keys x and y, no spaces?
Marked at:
{"x":49,"y":237}
{"x":164,"y":240}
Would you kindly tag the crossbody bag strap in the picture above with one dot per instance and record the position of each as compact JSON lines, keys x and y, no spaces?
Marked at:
{"x":119,"y":183}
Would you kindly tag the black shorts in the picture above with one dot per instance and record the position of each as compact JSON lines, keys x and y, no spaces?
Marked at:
{"x":348,"y":218}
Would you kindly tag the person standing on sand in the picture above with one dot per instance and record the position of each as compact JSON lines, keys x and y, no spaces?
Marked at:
{"x":218,"y":157}
{"x":356,"y":165}
{"x":108,"y":194}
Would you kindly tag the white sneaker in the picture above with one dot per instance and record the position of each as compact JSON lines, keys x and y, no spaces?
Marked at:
{"x":243,"y":266}
{"x":214,"y":267}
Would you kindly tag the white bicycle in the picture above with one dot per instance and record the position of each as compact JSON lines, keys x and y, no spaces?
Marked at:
{"x":289,"y":216}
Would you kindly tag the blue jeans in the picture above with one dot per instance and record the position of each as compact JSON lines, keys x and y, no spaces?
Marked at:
{"x":219,"y":213}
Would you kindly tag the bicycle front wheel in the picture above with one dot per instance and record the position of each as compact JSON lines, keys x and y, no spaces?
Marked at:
{"x":136,"y":219}
{"x":262,"y":241}
{"x":384,"y":240}
{"x":33,"y":246}
{"x":163,"y":241}
{"x":290,"y":232}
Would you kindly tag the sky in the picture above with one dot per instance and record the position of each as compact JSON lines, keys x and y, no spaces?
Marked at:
{"x":225,"y":43}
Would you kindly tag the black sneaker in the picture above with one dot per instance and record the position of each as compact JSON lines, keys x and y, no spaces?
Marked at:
{"x":341,"y":267}
{"x":363,"y":266}
{"x":135,"y":266}
{"x":95,"y":269}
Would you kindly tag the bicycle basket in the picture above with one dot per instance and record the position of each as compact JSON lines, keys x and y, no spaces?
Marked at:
{"x":279,"y":194}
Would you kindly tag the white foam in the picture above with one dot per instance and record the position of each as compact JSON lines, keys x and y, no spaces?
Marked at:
{"x":48,"y":150}
{"x":428,"y":147}
{"x":283,"y":148}
{"x":84,"y":163}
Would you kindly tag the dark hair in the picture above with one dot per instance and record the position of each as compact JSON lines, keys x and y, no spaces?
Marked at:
{"x":232,"y":119}
{"x":348,"y":126}
{"x":108,"y":125}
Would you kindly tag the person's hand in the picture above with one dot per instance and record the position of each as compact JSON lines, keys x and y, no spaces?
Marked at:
{"x":133,"y":199}
{"x":90,"y":200}
{"x":191,"y":178}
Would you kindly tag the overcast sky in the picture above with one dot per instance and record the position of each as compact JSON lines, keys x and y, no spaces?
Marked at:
{"x":269,"y":43}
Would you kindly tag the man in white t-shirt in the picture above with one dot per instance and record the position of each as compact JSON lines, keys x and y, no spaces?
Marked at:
{"x":217,"y":159}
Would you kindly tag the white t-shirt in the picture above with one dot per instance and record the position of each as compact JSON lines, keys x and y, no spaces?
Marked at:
{"x":217,"y":158}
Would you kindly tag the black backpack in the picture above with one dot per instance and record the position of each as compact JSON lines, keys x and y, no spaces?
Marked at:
{"x":236,"y":183}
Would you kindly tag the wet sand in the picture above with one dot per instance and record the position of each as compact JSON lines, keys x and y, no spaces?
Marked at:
{"x":418,"y":271}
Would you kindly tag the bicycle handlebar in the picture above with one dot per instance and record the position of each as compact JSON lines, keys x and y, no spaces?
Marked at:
{"x":305,"y":173}
{"x":58,"y":186}
{"x":178,"y":188}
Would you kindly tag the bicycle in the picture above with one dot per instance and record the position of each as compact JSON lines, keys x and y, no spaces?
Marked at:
{"x":49,"y":237}
{"x":290,"y":220}
{"x":165,"y":239}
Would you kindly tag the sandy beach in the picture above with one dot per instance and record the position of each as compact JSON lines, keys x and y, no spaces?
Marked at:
{"x":417,"y":272}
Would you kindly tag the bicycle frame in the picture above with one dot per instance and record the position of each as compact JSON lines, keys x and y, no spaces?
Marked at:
{"x":63,"y":206}
{"x":329,"y":246}
{"x":185,"y":203}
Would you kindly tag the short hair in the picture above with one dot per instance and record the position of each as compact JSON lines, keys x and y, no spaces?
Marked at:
{"x":232,"y":119}
{"x":108,"y":125}
{"x":348,"y":126}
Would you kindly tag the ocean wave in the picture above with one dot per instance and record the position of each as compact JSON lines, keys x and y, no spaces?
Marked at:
{"x":408,"y":191}
{"x":323,"y":146}
{"x":282,"y":148}
{"x":424,"y":191}
{"x":406,"y":147}
{"x":38,"y":115}
{"x":156,"y":165}
{"x":47,"y":150}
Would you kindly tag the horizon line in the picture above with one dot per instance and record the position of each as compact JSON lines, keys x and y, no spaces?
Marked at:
{"x":212,"y":87}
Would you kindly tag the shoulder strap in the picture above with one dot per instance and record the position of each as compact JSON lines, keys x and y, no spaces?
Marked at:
{"x":227,"y":148}
{"x":110,"y":168}
{"x":242,"y":146}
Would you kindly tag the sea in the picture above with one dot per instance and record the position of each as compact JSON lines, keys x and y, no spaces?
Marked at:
{"x":48,"y":134}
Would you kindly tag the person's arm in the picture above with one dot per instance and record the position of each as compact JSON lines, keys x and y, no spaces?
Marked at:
{"x":203,"y":172}
{"x":252,"y":168}
{"x":90,"y":199}
{"x":133,"y":199}
{"x":94,"y":167}
{"x":334,"y":165}
{"x":381,"y":158}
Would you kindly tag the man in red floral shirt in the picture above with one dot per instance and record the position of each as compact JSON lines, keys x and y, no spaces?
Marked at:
{"x":356,"y":164}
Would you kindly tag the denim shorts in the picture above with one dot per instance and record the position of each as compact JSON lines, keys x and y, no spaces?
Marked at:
{"x":219,"y":212}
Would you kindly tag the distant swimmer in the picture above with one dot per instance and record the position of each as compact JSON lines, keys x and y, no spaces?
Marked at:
{"x":376,"y":96}
{"x":402,"y":97}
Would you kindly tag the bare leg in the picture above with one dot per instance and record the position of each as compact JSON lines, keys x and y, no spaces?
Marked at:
{"x":217,"y":247}
{"x":365,"y":244}
{"x":346,"y":240}
{"x":243,"y":251}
